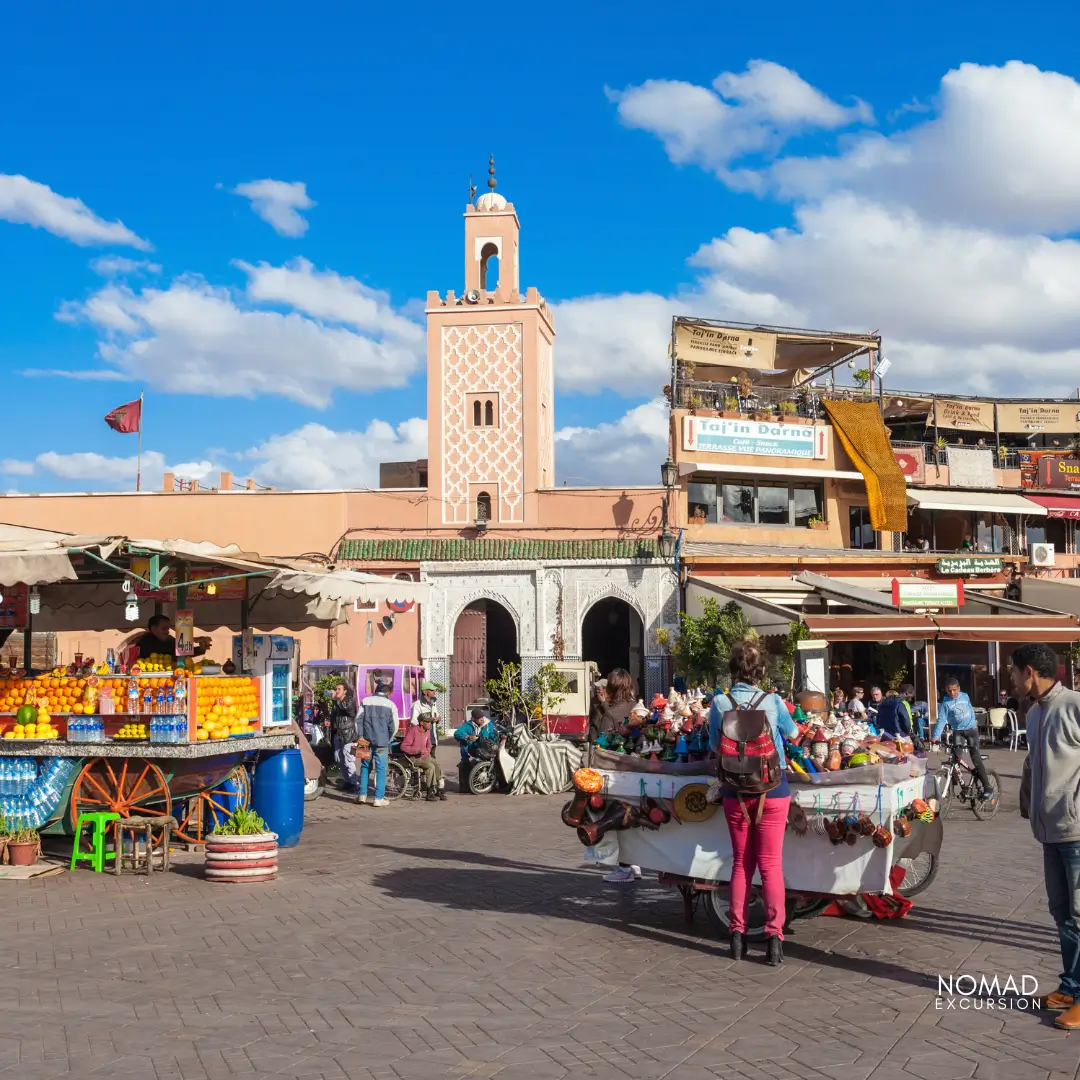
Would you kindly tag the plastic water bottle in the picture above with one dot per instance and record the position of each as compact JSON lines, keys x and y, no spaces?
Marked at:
{"x":132,"y":697}
{"x":159,"y":704}
{"x":148,"y":701}
{"x":5,"y":777}
{"x":110,"y":660}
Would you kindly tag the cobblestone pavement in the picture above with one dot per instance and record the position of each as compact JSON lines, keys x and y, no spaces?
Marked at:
{"x":466,"y":940}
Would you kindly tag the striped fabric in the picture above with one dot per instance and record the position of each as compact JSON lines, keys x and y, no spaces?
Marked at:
{"x":545,"y":763}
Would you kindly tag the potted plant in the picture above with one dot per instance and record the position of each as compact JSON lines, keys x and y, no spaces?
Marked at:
{"x":817,"y":522}
{"x":862,"y":377}
{"x":788,"y":409}
{"x":23,"y":846}
{"x":241,"y":849}
{"x":731,"y":407}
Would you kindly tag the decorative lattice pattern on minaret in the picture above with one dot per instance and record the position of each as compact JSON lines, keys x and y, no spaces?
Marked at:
{"x":476,"y":360}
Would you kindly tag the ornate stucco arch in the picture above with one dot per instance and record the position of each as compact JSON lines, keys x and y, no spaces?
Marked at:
{"x":471,"y":598}
{"x":610,"y":592}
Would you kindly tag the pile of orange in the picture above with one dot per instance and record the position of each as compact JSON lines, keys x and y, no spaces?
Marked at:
{"x":59,"y":694}
{"x":225,"y":705}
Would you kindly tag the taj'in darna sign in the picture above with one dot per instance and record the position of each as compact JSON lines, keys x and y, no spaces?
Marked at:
{"x":725,"y":346}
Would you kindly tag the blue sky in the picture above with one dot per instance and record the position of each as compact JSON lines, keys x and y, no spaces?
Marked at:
{"x":858,"y":169}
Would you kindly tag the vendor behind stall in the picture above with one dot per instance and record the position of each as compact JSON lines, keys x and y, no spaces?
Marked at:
{"x":158,"y":640}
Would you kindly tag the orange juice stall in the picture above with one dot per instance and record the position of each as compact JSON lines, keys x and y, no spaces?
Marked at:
{"x":157,"y":734}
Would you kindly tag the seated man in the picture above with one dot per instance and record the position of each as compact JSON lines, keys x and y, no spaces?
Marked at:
{"x":478,"y":726}
{"x":418,"y":745}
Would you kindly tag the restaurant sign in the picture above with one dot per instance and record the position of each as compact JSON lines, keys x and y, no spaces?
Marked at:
{"x":757,"y":438}
{"x":1059,"y":472}
{"x":961,"y":415}
{"x":921,"y":596}
{"x":969,"y":565}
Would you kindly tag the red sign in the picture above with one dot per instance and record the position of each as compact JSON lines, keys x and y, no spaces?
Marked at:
{"x":1059,"y":472}
{"x":13,"y":607}
{"x":912,"y":464}
{"x":1032,"y":464}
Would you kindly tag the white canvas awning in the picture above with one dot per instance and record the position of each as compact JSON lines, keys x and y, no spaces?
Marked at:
{"x":988,"y":501}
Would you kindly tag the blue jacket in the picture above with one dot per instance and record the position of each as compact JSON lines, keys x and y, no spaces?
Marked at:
{"x":894,"y":716}
{"x":378,"y":720}
{"x":957,"y":713}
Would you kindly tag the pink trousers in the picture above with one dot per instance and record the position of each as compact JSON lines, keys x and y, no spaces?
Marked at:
{"x":758,"y":845}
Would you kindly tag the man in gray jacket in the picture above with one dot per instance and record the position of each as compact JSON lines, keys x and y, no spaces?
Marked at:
{"x":378,"y":725}
{"x":1050,"y":799}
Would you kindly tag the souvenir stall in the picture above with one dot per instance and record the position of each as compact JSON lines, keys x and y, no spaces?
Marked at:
{"x":160,"y":735}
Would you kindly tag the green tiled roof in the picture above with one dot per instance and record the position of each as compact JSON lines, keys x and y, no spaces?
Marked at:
{"x":367,"y":551}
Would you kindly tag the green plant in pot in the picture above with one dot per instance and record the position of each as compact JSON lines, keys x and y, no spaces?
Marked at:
{"x":241,"y":823}
{"x":788,"y":409}
{"x":817,"y":522}
{"x":731,"y":406}
{"x":23,"y":844}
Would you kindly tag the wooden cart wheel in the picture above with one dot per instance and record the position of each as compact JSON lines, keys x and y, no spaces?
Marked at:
{"x":202,"y":808}
{"x":125,"y":786}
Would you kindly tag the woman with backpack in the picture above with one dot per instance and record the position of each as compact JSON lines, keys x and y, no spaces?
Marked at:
{"x":746,"y":731}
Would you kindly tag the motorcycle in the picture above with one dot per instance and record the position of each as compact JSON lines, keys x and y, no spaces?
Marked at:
{"x":494,"y":766}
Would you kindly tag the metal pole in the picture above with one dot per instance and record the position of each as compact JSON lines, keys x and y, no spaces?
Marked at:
{"x":138,"y":459}
{"x":931,"y":683}
{"x":28,"y":643}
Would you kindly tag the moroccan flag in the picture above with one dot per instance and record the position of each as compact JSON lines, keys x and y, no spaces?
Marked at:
{"x":126,"y":418}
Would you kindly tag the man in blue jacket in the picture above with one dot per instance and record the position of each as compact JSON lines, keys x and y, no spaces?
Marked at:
{"x":956,"y":711}
{"x":378,"y":725}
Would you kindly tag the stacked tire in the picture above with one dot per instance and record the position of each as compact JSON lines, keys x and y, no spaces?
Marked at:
{"x":241,"y":859}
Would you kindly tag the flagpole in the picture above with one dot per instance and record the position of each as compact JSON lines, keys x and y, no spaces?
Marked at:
{"x":138,"y":459}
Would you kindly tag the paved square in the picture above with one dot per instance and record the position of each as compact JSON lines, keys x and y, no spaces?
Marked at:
{"x":465,"y":939}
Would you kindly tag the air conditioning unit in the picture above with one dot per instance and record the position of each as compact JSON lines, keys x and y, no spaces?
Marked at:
{"x":1041,"y":555}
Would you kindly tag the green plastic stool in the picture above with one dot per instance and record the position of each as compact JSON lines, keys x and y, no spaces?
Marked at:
{"x":98,"y":855}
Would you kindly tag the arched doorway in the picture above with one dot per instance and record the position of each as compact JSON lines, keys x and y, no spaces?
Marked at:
{"x":484,"y":634}
{"x":612,"y":635}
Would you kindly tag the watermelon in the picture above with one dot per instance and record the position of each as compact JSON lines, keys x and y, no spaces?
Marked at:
{"x":27,"y":714}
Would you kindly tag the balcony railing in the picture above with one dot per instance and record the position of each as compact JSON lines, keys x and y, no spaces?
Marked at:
{"x":1005,"y":457}
{"x":799,"y":401}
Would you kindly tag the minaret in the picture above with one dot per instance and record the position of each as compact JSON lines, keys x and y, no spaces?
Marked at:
{"x":491,"y":424}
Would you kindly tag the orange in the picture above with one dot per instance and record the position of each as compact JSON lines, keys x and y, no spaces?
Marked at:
{"x":77,"y":707}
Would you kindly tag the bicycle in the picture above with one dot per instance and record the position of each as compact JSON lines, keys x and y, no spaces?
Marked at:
{"x":958,"y":782}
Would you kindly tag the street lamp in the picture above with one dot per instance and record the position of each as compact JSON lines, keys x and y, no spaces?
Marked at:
{"x":666,"y":544}
{"x":669,"y":474}
{"x":666,"y":541}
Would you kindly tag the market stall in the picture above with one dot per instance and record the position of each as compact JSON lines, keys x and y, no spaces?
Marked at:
{"x":862,"y":810}
{"x":162,"y":735}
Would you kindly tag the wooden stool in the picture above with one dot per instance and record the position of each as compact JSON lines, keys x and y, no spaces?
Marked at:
{"x":142,"y":827}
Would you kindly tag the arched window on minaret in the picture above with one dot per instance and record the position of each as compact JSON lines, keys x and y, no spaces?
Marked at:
{"x":489,"y":413}
{"x":489,"y":268}
{"x":483,"y":506}
{"x":476,"y":413}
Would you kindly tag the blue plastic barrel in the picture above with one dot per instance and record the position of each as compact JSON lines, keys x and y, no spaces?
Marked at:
{"x":277,"y":794}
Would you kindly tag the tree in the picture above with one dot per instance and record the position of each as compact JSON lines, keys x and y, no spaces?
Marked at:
{"x":705,"y":641}
{"x":782,"y":667}
{"x":546,"y":690}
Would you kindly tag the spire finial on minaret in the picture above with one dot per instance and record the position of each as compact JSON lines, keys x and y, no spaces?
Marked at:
{"x":491,"y":172}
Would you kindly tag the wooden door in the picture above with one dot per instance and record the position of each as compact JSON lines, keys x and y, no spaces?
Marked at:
{"x":468,"y":665}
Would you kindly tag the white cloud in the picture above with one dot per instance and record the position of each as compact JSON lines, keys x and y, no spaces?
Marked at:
{"x":107,"y":473}
{"x":742,"y":114}
{"x":1002,"y":151}
{"x":625,"y":451}
{"x":315,"y":457}
{"x":278,"y":203}
{"x":613,"y":344}
{"x":26,"y":202}
{"x":13,"y":467}
{"x":195,"y":338}
{"x":90,"y":375}
{"x":118,"y":266}
{"x":326,"y":295}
